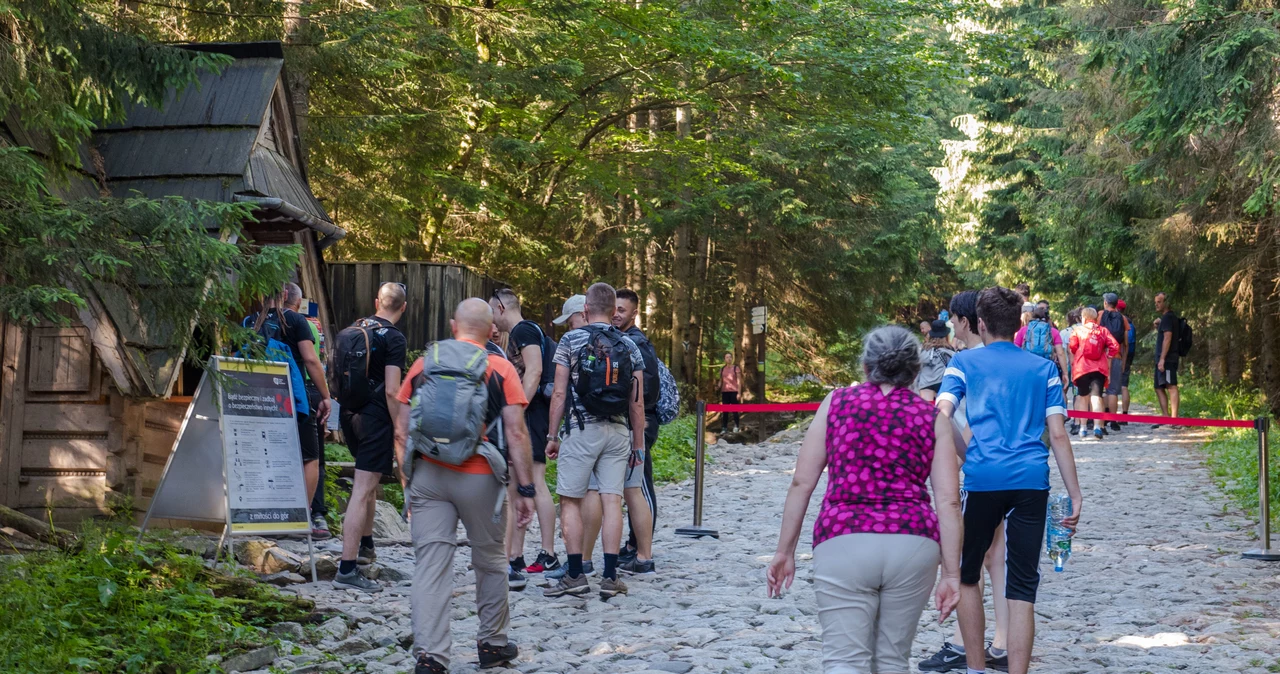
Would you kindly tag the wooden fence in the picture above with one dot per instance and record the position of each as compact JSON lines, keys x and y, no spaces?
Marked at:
{"x":433,"y":289}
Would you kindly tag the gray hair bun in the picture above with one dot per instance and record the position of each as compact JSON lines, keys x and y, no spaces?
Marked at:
{"x":891,"y":355}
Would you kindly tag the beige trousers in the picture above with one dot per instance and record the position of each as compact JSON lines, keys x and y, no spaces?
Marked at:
{"x":871,"y":590}
{"x":438,"y":498}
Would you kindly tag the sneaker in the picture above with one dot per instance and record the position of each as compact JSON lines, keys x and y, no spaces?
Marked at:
{"x":496,"y":656}
{"x":569,"y":585}
{"x":1097,"y":433}
{"x":997,"y":662}
{"x":1075,"y":430}
{"x":319,"y":529}
{"x":428,"y":665}
{"x":515,"y":579}
{"x":638,"y":567}
{"x":1089,"y":426}
{"x":546,"y":561}
{"x":587,"y":570}
{"x":1114,"y":426}
{"x":626,"y":555}
{"x":610,"y":587}
{"x":356,"y":581}
{"x":945,"y":660}
{"x":366,"y":556}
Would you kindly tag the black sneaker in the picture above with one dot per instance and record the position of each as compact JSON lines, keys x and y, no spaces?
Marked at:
{"x":1115,"y":426}
{"x":496,"y":656}
{"x":637,"y":567}
{"x":999,"y":663}
{"x":1075,"y":430}
{"x":515,"y":579}
{"x":546,"y":561}
{"x":945,"y":660}
{"x":428,"y":665}
{"x":626,"y":555}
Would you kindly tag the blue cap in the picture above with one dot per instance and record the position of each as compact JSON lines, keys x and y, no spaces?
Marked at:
{"x":944,"y":314}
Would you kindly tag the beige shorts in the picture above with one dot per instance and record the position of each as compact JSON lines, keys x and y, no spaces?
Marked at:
{"x":593,"y":457}
{"x":634,"y":478}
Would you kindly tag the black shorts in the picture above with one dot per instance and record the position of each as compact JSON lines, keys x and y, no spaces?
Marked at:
{"x":1087,"y":383}
{"x":370,"y":438}
{"x":935,"y":388}
{"x":1023,"y":513}
{"x":308,"y":439}
{"x":537,"y":417}
{"x":1167,"y":378}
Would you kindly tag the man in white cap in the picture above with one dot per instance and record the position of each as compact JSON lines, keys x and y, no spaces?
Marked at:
{"x":574,"y":312}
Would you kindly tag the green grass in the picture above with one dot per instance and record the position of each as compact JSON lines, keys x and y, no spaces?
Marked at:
{"x":115,"y":606}
{"x":1231,"y":454}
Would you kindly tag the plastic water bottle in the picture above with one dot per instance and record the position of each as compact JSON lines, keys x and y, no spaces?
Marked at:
{"x":1057,"y":538}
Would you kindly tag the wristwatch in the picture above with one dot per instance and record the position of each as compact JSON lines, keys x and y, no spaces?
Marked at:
{"x":553,"y":438}
{"x":526,"y":490}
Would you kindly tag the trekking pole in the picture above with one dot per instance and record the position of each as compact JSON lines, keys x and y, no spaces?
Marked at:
{"x":1265,"y":553}
{"x":699,"y":457}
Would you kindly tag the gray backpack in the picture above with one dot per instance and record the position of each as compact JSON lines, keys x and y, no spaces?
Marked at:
{"x":446,"y":415}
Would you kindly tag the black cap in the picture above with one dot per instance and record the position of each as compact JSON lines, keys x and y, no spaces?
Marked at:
{"x":938,"y":329}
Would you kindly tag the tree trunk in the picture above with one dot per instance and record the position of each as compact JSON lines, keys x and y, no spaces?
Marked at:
{"x":649,"y":294}
{"x":295,"y":28}
{"x":746,"y":293}
{"x":1268,"y":322}
{"x":698,"y":292}
{"x":38,"y":530}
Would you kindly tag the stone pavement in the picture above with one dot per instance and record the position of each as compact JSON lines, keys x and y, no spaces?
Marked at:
{"x":1156,"y":584}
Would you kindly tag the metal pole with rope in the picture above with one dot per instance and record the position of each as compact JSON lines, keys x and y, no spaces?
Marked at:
{"x":1264,"y":553}
{"x":699,"y":458}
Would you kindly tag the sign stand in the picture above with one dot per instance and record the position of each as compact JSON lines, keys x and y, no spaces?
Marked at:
{"x":237,"y":459}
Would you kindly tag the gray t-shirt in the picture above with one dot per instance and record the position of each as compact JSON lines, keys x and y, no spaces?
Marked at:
{"x":567,"y":355}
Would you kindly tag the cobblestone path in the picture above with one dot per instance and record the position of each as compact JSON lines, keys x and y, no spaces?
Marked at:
{"x":1156,"y":582}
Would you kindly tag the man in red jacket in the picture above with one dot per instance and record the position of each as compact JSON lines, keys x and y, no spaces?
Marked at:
{"x":1092,"y":348}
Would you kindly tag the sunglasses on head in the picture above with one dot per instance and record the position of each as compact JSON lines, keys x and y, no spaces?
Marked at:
{"x":403,"y":287}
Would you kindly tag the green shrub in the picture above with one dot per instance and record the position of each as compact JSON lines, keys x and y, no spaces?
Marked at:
{"x":115,"y":606}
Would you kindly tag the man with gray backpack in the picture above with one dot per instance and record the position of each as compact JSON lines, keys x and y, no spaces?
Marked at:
{"x":457,"y":464}
{"x":599,"y":394}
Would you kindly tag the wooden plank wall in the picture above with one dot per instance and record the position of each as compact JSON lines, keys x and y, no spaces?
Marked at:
{"x":434,"y":290}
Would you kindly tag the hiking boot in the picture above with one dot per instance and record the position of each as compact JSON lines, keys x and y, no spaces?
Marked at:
{"x":356,"y":581}
{"x":1114,"y":426}
{"x":546,"y":561}
{"x":1075,"y":430}
{"x":587,"y":570}
{"x":997,"y":662}
{"x":515,"y":579}
{"x":569,"y":585}
{"x":495,"y":656}
{"x":610,"y":587}
{"x":945,"y":660}
{"x":428,"y":665}
{"x":319,"y":529}
{"x":1097,"y":433}
{"x":366,"y":555}
{"x":638,"y":567}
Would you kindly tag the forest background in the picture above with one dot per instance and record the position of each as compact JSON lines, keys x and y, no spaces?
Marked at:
{"x":844,"y":162}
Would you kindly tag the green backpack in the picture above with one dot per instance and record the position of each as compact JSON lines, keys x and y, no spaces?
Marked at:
{"x":447,"y":413}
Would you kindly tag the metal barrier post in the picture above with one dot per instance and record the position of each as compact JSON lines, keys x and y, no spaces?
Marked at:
{"x":1265,"y":553}
{"x":699,"y":457}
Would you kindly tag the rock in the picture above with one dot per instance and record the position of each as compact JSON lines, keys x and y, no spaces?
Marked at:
{"x":673,"y":666}
{"x":305,"y":669}
{"x":284,"y":578}
{"x":247,"y":662}
{"x":200,"y":546}
{"x":326,"y":567}
{"x":352,"y":646}
{"x":394,"y":575}
{"x":250,"y":551}
{"x":278,"y":560}
{"x":334,"y":628}
{"x":388,"y":524}
{"x":379,"y":635}
{"x":288,"y":630}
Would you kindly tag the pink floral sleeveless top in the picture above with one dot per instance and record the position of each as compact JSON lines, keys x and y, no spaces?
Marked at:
{"x":879,"y":454}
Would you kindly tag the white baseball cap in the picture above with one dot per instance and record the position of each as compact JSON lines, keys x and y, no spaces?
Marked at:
{"x":574,"y":305}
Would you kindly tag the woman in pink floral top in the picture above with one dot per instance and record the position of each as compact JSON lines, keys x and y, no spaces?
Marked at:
{"x":877,"y":542}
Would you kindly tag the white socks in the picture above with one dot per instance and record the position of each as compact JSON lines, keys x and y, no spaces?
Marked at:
{"x":976,"y":671}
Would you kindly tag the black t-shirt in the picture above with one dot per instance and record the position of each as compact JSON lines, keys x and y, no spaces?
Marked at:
{"x":527,"y":333}
{"x":391,"y":354}
{"x":1168,"y":324}
{"x":294,"y":329}
{"x":652,"y":383}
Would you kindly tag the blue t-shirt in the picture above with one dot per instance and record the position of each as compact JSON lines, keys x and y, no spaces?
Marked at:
{"x":1009,"y":393}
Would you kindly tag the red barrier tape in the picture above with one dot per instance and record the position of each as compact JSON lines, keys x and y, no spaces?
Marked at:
{"x":1100,"y":416}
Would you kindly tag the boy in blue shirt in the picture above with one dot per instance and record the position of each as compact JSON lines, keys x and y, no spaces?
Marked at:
{"x":1011,"y":397}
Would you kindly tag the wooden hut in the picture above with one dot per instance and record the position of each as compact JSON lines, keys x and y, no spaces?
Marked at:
{"x":89,"y":411}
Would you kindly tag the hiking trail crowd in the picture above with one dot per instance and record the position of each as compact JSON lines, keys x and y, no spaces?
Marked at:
{"x":469,"y":427}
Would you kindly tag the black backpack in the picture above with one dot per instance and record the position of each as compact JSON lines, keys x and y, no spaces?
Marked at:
{"x":352,"y":351}
{"x":548,"y":379}
{"x":1186,"y":337}
{"x":652,"y":376}
{"x":1113,"y":321}
{"x":604,"y":370}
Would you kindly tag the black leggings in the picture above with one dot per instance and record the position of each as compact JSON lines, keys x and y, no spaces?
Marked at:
{"x":729,"y":398}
